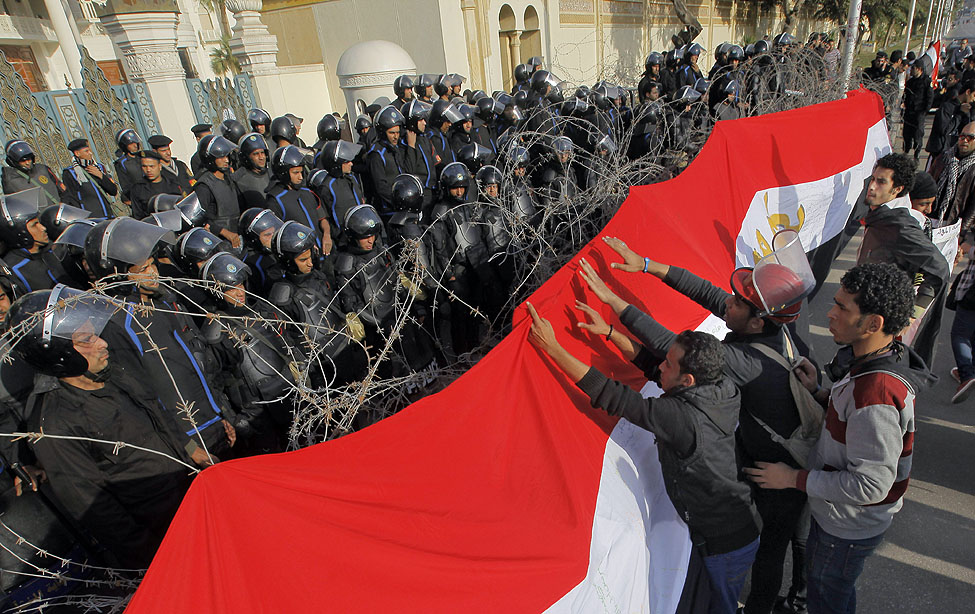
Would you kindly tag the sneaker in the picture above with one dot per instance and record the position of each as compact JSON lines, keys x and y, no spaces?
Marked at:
{"x":954,"y":374}
{"x":964,"y":389}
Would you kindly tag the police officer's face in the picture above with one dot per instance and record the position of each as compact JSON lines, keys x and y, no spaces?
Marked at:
{"x":145,"y":275}
{"x":265,"y":237}
{"x":166,"y":152}
{"x":133,"y":147}
{"x":222,"y":162}
{"x":467,"y":125}
{"x":296,"y":174}
{"x":92,"y":347}
{"x":653,"y":94}
{"x":304,"y":262}
{"x":491,"y":190}
{"x":346,"y":168}
{"x":520,"y":171}
{"x":150,"y":168}
{"x":881,"y":187}
{"x":421,"y":125}
{"x":236,"y":296}
{"x":258,"y":158}
{"x":457,"y":193}
{"x":393,"y":135}
{"x":367,"y":243}
{"x":27,"y":163}
{"x":84,"y":153}
{"x":260,"y":129}
{"x":4,"y":305}
{"x":38,"y":232}
{"x":407,"y":95}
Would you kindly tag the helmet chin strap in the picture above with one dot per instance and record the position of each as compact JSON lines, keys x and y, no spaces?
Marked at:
{"x":102,"y":376}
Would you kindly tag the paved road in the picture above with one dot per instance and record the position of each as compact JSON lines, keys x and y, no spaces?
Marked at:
{"x":926,"y":564}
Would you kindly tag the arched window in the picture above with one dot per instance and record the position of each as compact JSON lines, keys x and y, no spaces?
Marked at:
{"x":509,"y":40}
{"x":531,"y":37}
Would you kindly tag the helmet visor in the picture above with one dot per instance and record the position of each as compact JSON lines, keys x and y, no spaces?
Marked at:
{"x":75,"y":314}
{"x":346,"y":151}
{"x":133,"y":242}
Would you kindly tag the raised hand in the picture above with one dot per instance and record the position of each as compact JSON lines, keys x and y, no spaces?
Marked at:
{"x":632,"y":261}
{"x":599,"y":287}
{"x":597,"y":324}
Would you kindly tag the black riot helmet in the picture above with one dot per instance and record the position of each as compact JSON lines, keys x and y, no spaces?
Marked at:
{"x":518,"y":157}
{"x":422,"y":85}
{"x":603,"y":96}
{"x":16,"y":210}
{"x":466,"y":112}
{"x":211,"y":148}
{"x":283,"y":160}
{"x":694,"y":49}
{"x":226,"y":270}
{"x":783,"y":40}
{"x":18,"y":151}
{"x":474,"y":156}
{"x":47,"y":321}
{"x":401,"y":84}
{"x":389,"y":118}
{"x":488,"y":109}
{"x":735,"y":52}
{"x":407,"y":193}
{"x":232,"y":130}
{"x":605,"y":145}
{"x":455,"y":175}
{"x":256,"y":221}
{"x":560,"y":147}
{"x":513,"y":116}
{"x":761,"y":46}
{"x":196,"y":246}
{"x":671,"y":57}
{"x":474,"y":96}
{"x":335,"y":153}
{"x":316,"y":179}
{"x":283,"y":129}
{"x":57,"y":217}
{"x":574,"y":107}
{"x":701,"y":85}
{"x":179,"y":217}
{"x":731,"y":87}
{"x":126,"y":137}
{"x":362,"y":221}
{"x":329,"y":128}
{"x":646,"y":87}
{"x":69,"y":249}
{"x":488,"y":175}
{"x":249,"y":144}
{"x":542,"y":80}
{"x":115,"y":245}
{"x":362,"y":124}
{"x":416,"y":111}
{"x":534,"y":62}
{"x":654,"y":59}
{"x":290,"y":241}
{"x":520,"y":99}
{"x":522,"y":73}
{"x":259,"y":117}
{"x":442,"y":85}
{"x":687,"y":94}
{"x":163,"y":202}
{"x":721,"y":52}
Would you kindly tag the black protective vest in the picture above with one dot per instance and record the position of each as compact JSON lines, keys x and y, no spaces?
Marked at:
{"x":225,"y":197}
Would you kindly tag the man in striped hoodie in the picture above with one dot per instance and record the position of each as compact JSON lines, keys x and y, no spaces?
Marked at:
{"x":859,"y":469}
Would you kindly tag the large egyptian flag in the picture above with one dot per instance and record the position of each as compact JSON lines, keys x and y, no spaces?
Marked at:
{"x":507,"y":492}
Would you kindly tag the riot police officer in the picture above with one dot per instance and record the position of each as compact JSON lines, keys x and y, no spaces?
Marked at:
{"x":387,"y":158}
{"x":403,"y":88}
{"x":341,"y":190}
{"x":128,"y":169}
{"x":329,"y":129}
{"x":417,"y":114}
{"x":216,"y":190}
{"x":24,"y":172}
{"x":290,"y":200}
{"x":30,"y":262}
{"x":258,"y":366}
{"x":307,"y":297}
{"x":252,"y":178}
{"x":257,"y":228}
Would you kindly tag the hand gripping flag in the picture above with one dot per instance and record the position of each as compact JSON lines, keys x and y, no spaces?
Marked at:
{"x":507,"y":492}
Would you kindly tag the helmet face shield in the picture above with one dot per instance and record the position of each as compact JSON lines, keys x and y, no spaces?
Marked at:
{"x":75,"y":314}
{"x":263,"y":221}
{"x":170,"y":220}
{"x":20,"y":206}
{"x":346,"y":151}
{"x":132,"y":242}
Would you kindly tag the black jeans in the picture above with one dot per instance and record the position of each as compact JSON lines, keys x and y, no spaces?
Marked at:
{"x":780,"y":511}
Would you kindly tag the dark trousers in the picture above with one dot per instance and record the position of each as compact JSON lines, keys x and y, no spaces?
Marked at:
{"x":913,"y":134}
{"x":962,"y":337}
{"x":780,"y":511}
{"x":834,"y":564}
{"x":727,"y":572}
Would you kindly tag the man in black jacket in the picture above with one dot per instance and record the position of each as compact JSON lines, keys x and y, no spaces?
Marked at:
{"x":88,"y":180}
{"x":918,"y":97}
{"x":153,"y":182}
{"x":953,"y":114}
{"x":216,"y":190}
{"x":694,"y":424}
{"x":767,"y":400}
{"x":162,"y":145}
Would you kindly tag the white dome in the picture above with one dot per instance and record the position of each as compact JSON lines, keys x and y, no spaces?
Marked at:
{"x":371,"y":57}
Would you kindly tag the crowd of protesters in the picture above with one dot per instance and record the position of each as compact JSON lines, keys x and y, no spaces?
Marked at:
{"x":264,"y":266}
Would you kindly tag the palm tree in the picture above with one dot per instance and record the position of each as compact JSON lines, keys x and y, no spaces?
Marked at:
{"x":222,"y":59}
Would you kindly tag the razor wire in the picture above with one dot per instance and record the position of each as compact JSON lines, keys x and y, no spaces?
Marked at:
{"x":570,"y":217}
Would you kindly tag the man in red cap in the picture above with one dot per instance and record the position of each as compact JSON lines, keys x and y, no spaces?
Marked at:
{"x":768,"y":412}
